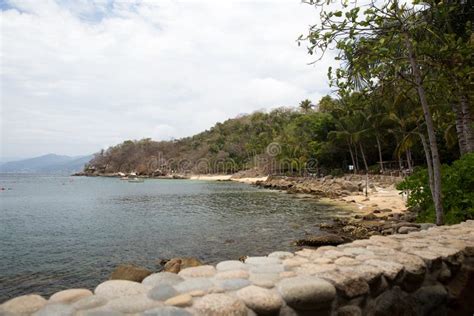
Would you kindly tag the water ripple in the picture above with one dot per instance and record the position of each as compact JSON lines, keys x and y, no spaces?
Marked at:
{"x":60,"y":232}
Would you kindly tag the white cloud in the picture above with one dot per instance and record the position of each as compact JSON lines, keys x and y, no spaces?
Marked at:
{"x":76,"y":75}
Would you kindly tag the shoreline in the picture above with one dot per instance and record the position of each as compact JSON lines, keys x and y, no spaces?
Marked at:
{"x":343,"y":265}
{"x":232,"y":177}
{"x":379,"y":196}
{"x":429,"y":270}
{"x":382,"y":211}
{"x":348,"y":191}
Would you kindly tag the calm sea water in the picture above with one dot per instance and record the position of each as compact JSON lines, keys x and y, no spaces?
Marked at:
{"x":59,"y":232}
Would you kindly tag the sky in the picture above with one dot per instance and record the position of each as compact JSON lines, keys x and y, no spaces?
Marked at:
{"x":78,"y":76}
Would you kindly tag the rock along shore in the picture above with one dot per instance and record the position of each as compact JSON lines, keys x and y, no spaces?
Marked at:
{"x":430,"y":272}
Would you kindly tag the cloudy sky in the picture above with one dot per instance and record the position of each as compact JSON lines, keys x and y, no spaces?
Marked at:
{"x":78,"y":76}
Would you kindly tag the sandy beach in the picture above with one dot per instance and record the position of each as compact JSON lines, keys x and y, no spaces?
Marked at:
{"x":382,"y":198}
{"x":379,"y":197}
{"x":224,"y":177}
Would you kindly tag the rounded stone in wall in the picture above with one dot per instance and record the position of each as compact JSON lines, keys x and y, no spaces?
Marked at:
{"x":260,"y":300}
{"x":69,"y":296}
{"x":230,"y":265}
{"x":89,"y":302}
{"x":132,"y":304}
{"x":118,"y":288}
{"x":162,"y":278}
{"x":349,"y":310}
{"x":220,"y":305}
{"x":56,"y":310}
{"x":25,"y":304}
{"x":307,"y":292}
{"x":162,"y":292}
{"x":198,"y":272}
{"x":394,"y":302}
{"x":167,"y":311}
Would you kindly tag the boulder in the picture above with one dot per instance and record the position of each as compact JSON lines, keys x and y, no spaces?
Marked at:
{"x":69,"y":296}
{"x":349,"y":310}
{"x":167,"y":311}
{"x":56,"y":309}
{"x":130,"y":273}
{"x":194,"y":284}
{"x":198,"y":272}
{"x":407,"y":229}
{"x":162,"y":292}
{"x":370,"y":217}
{"x":162,"y":278}
{"x":232,"y":284}
{"x":131,"y":304}
{"x":261,"y":301}
{"x":181,"y":300}
{"x":348,"y":284}
{"x":322,"y":240}
{"x":307,"y":293}
{"x":118,"y":288}
{"x":89,"y":302}
{"x":232,"y":274}
{"x":220,"y":304}
{"x":175,"y":265}
{"x":230,"y":265}
{"x":395,"y":302}
{"x":26,"y":304}
{"x":349,"y":186}
{"x":429,"y":298}
{"x":266,"y":280}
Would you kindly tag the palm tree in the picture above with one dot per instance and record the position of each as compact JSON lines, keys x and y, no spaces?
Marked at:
{"x":306,"y":105}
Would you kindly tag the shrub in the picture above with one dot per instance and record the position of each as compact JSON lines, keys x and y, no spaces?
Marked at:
{"x":337,"y":173}
{"x":457,"y":191}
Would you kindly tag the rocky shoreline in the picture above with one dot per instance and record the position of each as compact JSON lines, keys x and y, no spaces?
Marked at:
{"x":374,"y":211}
{"x":329,"y":186}
{"x":420,"y":273}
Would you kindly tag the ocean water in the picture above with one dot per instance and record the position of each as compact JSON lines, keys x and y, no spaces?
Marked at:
{"x":59,"y":232}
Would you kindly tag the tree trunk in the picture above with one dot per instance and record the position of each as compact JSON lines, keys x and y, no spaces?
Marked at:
{"x":380,"y":152}
{"x":459,"y":123}
{"x":468,"y":123}
{"x":428,"y":162}
{"x":431,"y":132}
{"x":408,"y":154}
{"x":352,"y":157}
{"x":356,"y":167}
{"x":363,"y":157}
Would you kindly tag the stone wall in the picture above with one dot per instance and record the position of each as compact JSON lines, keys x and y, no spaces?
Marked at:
{"x":422,"y":273}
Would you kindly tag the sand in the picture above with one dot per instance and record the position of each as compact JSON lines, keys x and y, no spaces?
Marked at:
{"x":225,"y":177}
{"x":380,"y":198}
{"x":218,"y":177}
{"x":383,"y":198}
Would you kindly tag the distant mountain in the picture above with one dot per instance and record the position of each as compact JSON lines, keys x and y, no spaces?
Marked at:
{"x":50,"y":163}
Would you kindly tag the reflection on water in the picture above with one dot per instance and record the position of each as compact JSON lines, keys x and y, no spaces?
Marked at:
{"x":61,"y":232}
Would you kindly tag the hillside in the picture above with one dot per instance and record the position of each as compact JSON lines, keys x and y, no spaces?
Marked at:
{"x":255,"y":140}
{"x":50,"y":163}
{"x":282,"y":141}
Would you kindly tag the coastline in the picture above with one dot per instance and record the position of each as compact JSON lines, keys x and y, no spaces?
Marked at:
{"x":382,"y":193}
{"x":366,"y":269}
{"x":349,"y":191}
{"x":247,"y":180}
{"x":379,"y":197}
{"x":411,"y":274}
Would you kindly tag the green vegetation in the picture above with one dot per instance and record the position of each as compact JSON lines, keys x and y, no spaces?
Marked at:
{"x":421,"y":53}
{"x":458,"y":191}
{"x":404,"y":99}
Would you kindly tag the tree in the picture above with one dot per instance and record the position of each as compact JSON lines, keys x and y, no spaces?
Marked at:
{"x":386,"y":42}
{"x":306,"y":105}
